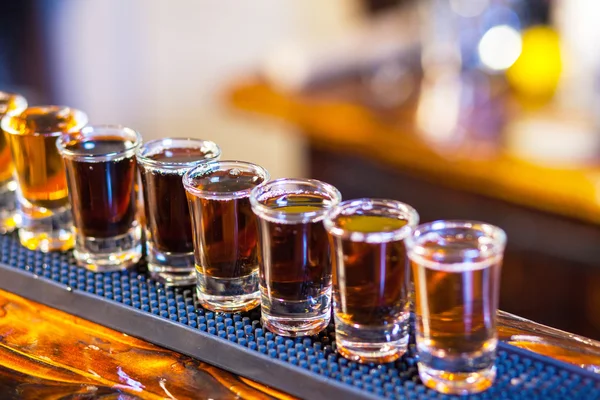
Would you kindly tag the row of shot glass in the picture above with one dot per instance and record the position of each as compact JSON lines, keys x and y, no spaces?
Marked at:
{"x":290,"y":245}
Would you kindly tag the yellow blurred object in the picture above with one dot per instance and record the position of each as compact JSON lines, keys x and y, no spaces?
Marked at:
{"x":536,"y":72}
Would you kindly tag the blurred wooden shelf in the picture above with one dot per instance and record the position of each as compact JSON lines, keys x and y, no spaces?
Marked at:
{"x":333,"y":122}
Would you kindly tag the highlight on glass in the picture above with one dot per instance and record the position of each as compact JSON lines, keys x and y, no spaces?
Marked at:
{"x":42,"y":196}
{"x":101,"y":174}
{"x":225,"y":233}
{"x":10,"y":103}
{"x":371,"y":277}
{"x":294,"y":254}
{"x":169,"y":241}
{"x":456,"y":267}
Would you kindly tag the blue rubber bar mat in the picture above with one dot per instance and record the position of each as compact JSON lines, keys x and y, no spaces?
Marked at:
{"x":309,"y":368}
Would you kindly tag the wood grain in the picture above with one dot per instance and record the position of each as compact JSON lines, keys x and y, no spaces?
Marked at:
{"x":49,"y":354}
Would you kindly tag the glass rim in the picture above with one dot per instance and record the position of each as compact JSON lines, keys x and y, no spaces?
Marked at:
{"x":143,"y":153}
{"x":366,"y":204}
{"x":101,"y":130}
{"x":494,"y":250}
{"x":210,"y":166}
{"x":274,"y":215}
{"x":78,"y":115}
{"x":18,"y":102}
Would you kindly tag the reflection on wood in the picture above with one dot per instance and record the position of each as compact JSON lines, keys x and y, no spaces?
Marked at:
{"x":48,"y":354}
{"x":551,"y":342}
{"x":45,"y":353}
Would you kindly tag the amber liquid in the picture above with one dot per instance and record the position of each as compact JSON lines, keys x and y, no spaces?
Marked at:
{"x":225,"y":231}
{"x":39,"y":166}
{"x":167,"y":212}
{"x":456,"y":306}
{"x":456,"y":303}
{"x":8,"y":103}
{"x":6,"y":166}
{"x":102,"y":193}
{"x":299,"y":261}
{"x":373,"y":289}
{"x":40,"y":170}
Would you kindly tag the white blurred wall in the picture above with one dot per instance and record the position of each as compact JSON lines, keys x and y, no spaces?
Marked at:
{"x":159,"y":65}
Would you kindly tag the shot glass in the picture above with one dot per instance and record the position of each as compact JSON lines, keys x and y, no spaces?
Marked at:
{"x":456,"y":268}
{"x":9,"y":104}
{"x":101,"y":173}
{"x":225,"y":232}
{"x":42,"y":198}
{"x":294,"y":254}
{"x":169,"y":241}
{"x":371,"y":277}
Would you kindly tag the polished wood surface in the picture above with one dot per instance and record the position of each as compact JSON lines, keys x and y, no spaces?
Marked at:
{"x":332,"y":117}
{"x":48,"y":354}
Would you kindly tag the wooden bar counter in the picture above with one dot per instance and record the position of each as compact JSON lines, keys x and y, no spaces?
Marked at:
{"x":49,"y":354}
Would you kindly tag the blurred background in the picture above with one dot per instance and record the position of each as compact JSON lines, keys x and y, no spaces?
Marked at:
{"x":474,"y":109}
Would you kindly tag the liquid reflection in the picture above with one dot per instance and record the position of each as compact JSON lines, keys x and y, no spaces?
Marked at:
{"x":48,"y":354}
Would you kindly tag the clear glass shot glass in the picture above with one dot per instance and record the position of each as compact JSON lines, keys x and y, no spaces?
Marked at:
{"x":456,"y":267}
{"x":169,"y":241}
{"x":45,"y":220}
{"x":225,"y":233}
{"x":294,"y":254}
{"x":371,"y":277}
{"x":9,"y":104}
{"x":101,"y":174}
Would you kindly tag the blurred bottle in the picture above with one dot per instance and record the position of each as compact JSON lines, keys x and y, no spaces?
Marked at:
{"x":467,"y":45}
{"x":577,"y":23}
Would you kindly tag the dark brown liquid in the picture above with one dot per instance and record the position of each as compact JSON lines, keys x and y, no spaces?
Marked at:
{"x":298,"y":264}
{"x":167,"y":211}
{"x":226,"y":231}
{"x":374,"y":286}
{"x":102,"y":193}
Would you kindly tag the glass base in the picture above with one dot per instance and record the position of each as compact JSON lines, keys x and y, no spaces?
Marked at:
{"x":57,"y":240}
{"x":228,"y":304}
{"x":8,"y":207}
{"x":46,"y":230}
{"x":295,"y":318}
{"x":228,"y":294}
{"x":454,"y":372}
{"x":459,"y":383}
{"x":294,"y":327}
{"x":172,"y":269}
{"x":372,"y":344}
{"x":109,"y":254}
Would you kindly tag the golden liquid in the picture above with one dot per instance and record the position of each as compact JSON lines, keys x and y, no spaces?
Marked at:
{"x":456,"y":310}
{"x":369,"y":223}
{"x":8,"y":103}
{"x":455,"y":303}
{"x":6,"y":166}
{"x":39,"y":166}
{"x":40,"y":170}
{"x":455,"y":306}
